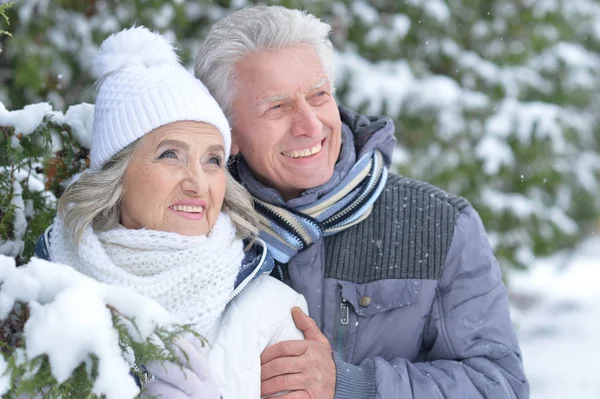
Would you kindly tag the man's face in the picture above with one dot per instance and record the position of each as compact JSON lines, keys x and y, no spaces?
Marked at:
{"x":287,"y":124}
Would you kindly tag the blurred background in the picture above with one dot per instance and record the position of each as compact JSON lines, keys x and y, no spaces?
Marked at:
{"x":494,"y":100}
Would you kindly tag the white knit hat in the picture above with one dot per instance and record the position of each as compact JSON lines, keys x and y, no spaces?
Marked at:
{"x":142,"y":86}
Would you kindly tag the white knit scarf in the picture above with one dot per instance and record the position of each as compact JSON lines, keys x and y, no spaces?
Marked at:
{"x":191,"y":277}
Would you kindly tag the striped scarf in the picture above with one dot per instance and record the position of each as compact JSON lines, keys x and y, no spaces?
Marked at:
{"x":288,"y":231}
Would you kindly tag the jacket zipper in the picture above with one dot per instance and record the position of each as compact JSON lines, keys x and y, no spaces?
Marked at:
{"x":247,"y":280}
{"x":342,"y":322}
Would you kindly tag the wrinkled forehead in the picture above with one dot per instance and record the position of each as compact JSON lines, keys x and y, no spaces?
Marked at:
{"x":187,"y":133}
{"x":280,"y":72}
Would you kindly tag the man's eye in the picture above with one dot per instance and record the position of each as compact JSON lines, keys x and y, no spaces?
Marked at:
{"x":170,"y":154}
{"x":278,"y":106}
{"x":321,"y":93}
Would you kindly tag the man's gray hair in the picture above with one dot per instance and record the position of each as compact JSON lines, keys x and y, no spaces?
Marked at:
{"x":256,"y":29}
{"x":95,"y":199}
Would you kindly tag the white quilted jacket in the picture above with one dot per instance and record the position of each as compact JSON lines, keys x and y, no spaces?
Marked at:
{"x":256,"y":318}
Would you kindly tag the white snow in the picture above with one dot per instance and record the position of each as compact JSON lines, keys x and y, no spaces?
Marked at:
{"x":400,"y":25}
{"x":437,"y":9}
{"x":80,"y":118}
{"x":494,"y":153}
{"x":557,"y":305}
{"x":164,"y":17}
{"x":524,"y":206}
{"x":376,"y":84}
{"x":69,"y":321}
{"x":25,"y":120}
{"x":15,"y":246}
{"x":529,"y":119}
{"x":587,"y":165}
{"x":365,"y":12}
{"x":4,"y":377}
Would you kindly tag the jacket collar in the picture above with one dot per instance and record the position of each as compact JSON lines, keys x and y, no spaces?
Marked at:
{"x":360,"y":134}
{"x":257,"y":260}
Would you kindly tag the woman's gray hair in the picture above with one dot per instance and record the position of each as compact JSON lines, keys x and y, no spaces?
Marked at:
{"x":256,"y":29}
{"x":95,"y":199}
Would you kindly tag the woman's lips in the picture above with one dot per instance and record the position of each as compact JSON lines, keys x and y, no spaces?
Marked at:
{"x":191,"y":212}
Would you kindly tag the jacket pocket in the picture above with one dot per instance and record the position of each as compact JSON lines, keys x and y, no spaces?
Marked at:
{"x":381,"y":319}
{"x":368,"y":299}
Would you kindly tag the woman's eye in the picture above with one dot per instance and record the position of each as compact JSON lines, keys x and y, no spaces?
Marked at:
{"x":216,"y":160}
{"x":170,"y":154}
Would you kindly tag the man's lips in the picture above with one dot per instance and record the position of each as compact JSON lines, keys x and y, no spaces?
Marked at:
{"x":305,"y":152}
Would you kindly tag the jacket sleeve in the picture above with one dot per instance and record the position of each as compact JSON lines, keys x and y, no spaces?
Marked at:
{"x":285,"y":329}
{"x":472,"y":348}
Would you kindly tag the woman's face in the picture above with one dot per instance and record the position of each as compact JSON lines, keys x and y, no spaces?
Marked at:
{"x":176,"y":180}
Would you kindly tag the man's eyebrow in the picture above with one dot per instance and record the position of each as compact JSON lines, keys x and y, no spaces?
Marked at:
{"x":280,"y":97}
{"x":319,"y":84}
{"x":271,"y":99}
{"x":173,"y":143}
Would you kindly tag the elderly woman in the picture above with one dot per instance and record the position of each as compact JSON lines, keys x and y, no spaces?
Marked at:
{"x":159,"y":213}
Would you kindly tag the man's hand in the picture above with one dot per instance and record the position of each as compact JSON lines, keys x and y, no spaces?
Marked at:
{"x":304,"y":367}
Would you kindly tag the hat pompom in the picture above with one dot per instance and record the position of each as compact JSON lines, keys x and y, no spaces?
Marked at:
{"x":136,"y":45}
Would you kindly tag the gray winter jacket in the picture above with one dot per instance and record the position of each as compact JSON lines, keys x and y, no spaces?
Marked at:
{"x":412,"y":298}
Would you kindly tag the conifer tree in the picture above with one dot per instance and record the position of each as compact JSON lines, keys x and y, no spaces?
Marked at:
{"x":493,"y":100}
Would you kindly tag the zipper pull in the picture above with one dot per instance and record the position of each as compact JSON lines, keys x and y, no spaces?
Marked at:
{"x":344,"y":314}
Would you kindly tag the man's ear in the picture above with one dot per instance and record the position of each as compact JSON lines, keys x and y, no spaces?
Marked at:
{"x":235,"y":148}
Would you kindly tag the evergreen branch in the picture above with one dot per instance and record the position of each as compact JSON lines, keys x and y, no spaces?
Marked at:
{"x":33,"y":377}
{"x":32,"y":150}
{"x":3,"y":8}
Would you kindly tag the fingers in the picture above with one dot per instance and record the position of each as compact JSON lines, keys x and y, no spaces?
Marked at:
{"x":162,"y":390}
{"x":282,"y":365}
{"x":280,"y":383}
{"x":309,"y":368}
{"x":171,"y":374}
{"x":194,"y":358}
{"x":295,"y":395}
{"x":308,"y":326}
{"x":283,"y":349}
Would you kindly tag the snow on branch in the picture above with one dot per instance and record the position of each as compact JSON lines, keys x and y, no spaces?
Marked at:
{"x":81,"y":336}
{"x":42,"y":149}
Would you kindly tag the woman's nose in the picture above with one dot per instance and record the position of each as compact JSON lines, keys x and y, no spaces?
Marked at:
{"x":195,"y":181}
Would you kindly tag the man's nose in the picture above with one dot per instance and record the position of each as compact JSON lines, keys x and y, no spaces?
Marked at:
{"x":306,"y":122}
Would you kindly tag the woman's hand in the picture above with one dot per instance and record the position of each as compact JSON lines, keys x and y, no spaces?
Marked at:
{"x":172,"y":382}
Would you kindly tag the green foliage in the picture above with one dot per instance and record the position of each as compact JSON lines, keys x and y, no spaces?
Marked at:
{"x":34,"y":376}
{"x":521,"y":78}
{"x":30,"y":162}
{"x":3,"y":9}
{"x":449,"y":72}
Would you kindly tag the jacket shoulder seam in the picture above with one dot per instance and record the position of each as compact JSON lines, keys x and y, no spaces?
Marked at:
{"x":416,"y":186}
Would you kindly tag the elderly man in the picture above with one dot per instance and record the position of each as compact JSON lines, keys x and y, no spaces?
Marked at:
{"x":405,"y":296}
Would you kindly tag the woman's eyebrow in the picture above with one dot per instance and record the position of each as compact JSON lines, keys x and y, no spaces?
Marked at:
{"x":215,"y":148}
{"x":173,"y":143}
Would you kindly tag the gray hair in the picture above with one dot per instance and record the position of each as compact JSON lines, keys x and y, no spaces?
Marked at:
{"x":256,"y":29}
{"x":95,"y":199}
